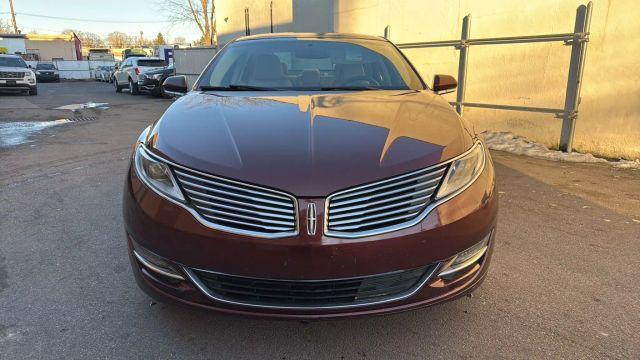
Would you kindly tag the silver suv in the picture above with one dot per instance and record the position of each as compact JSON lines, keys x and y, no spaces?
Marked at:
{"x":126,"y":75}
{"x":16,"y":75}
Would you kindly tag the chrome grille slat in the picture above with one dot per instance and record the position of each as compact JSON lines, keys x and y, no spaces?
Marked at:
{"x":229,"y":207}
{"x":275,"y":228}
{"x":382,"y":206}
{"x":245,"y":217}
{"x":390,"y":192}
{"x":378,"y":208}
{"x":342,"y":228}
{"x":219,"y":183}
{"x":11,"y":75}
{"x":189,"y":183}
{"x":383,"y":201}
{"x":374,"y":216}
{"x":217,"y":198}
{"x":236,"y":207}
{"x":388,"y":185}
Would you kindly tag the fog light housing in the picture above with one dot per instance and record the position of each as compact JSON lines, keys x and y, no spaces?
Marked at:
{"x":466,"y":258}
{"x":155,"y":263}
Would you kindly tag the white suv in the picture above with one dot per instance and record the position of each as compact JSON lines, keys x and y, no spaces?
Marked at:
{"x":126,"y":76}
{"x":15,"y":75}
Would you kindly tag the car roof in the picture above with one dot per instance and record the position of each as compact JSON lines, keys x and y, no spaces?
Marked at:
{"x":311,"y":36}
{"x":12,"y":56}
{"x":146,"y":58}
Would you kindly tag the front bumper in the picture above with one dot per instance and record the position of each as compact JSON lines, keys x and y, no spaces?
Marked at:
{"x":47,"y":77}
{"x":148,"y":84}
{"x":172,"y":233}
{"x":16,"y":85}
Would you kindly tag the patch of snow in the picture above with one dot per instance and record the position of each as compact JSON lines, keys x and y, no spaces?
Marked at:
{"x":89,"y":105}
{"x":16,"y":133}
{"x":509,"y":142}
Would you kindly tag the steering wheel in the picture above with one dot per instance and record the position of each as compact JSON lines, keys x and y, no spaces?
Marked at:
{"x":360,"y":80}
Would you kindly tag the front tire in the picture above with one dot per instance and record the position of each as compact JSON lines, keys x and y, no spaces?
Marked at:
{"x":118,"y":87}
{"x":33,"y":91}
{"x":133,"y":87}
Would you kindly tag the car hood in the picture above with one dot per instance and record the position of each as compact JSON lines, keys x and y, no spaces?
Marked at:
{"x":309,"y":144}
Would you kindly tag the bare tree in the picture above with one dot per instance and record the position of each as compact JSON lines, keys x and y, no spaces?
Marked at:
{"x":5,"y":27}
{"x":119,"y":39}
{"x":179,"y":40}
{"x":88,"y":39}
{"x":200,"y":12}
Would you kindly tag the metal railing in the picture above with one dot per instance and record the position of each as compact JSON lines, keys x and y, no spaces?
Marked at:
{"x":578,"y":40}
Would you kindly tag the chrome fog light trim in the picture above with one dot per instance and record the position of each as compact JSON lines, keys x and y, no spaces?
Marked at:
{"x":466,"y":258}
{"x":156,"y":268}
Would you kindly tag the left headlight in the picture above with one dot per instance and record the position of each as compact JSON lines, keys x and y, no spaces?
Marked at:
{"x":156,"y":174}
{"x":463,"y":171}
{"x":157,"y":76}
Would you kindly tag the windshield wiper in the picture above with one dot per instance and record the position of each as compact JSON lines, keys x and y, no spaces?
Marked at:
{"x":236,"y":87}
{"x":332,"y":88}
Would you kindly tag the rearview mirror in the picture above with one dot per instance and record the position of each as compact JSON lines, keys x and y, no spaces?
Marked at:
{"x":175,"y":85}
{"x":444,"y":84}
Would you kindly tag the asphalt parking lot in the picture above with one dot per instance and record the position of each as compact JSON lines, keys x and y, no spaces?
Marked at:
{"x":563,"y":282}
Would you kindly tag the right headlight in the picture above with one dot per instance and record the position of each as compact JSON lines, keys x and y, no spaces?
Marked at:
{"x":463,"y":171}
{"x":156,"y":174}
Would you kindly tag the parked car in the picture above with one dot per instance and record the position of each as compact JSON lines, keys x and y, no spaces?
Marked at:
{"x":112,"y":69}
{"x":47,"y":72}
{"x":126,"y":77}
{"x":151,"y":81}
{"x":16,"y":75}
{"x":310,"y":176}
{"x":106,"y":73}
{"x":97,"y":73}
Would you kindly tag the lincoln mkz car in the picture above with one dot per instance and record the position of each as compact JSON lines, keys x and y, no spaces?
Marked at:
{"x":309,"y":176}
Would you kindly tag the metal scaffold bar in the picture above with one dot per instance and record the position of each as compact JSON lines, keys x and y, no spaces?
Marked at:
{"x":578,"y":41}
{"x":574,"y":81}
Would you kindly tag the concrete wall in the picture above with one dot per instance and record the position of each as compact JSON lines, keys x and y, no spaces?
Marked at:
{"x":52,"y":49}
{"x":13,"y":45}
{"x":533,"y":75}
{"x":191,"y":61}
{"x":76,"y":69}
{"x":529,"y":75}
{"x":231,"y":23}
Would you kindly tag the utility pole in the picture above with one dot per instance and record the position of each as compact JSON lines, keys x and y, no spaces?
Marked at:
{"x":13,"y":17}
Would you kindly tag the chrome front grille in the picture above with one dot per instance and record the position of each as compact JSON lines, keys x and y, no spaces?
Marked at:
{"x":382,"y":206}
{"x":11,"y":75}
{"x":238,"y":207}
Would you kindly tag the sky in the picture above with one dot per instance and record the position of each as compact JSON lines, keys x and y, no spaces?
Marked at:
{"x":104,"y":16}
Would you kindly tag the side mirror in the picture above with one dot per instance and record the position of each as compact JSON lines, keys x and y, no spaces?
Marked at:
{"x":175,"y":85}
{"x":444,"y":84}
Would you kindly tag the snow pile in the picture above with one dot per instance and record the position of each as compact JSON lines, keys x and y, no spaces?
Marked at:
{"x":509,"y":142}
{"x":16,"y":133}
{"x":89,"y":105}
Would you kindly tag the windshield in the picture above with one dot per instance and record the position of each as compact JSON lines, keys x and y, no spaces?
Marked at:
{"x":151,"y":63}
{"x":310,"y":64}
{"x":12,"y":62}
{"x":45,"y":67}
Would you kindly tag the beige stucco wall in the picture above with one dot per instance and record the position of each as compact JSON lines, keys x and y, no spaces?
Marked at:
{"x":50,"y":49}
{"x":231,"y":24}
{"x":529,"y":74}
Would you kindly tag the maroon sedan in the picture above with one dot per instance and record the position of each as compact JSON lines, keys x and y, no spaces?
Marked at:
{"x":309,"y":176}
